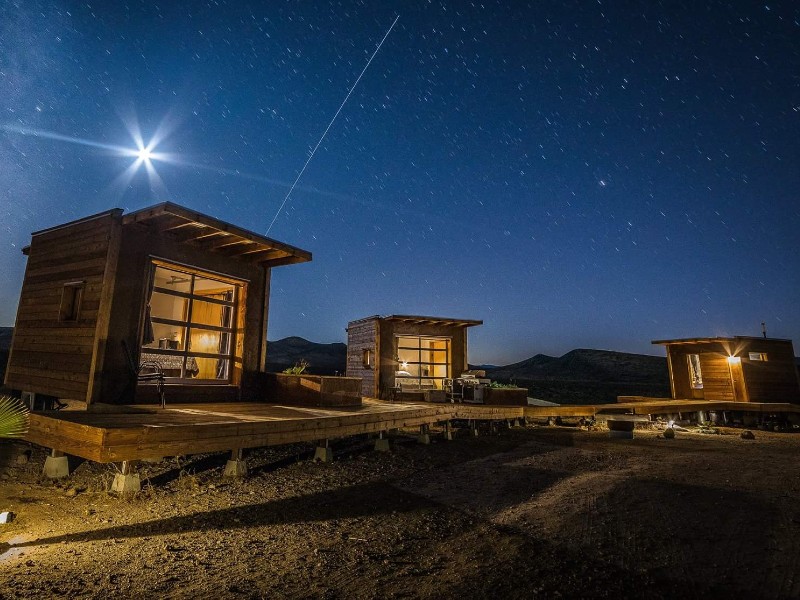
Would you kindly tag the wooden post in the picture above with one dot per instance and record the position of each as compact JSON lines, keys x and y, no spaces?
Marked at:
{"x":448,"y":432}
{"x":103,"y":324}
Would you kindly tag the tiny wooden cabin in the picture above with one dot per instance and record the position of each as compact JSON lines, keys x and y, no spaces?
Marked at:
{"x":733,"y":369}
{"x":171,"y":285}
{"x":417,"y":352}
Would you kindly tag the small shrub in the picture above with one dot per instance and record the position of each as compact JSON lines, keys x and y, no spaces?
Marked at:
{"x":298,"y":369}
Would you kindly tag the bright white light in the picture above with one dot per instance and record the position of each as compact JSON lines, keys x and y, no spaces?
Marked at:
{"x":144,"y":154}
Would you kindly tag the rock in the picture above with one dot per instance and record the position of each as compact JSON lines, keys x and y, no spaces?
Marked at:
{"x":6,"y":517}
{"x":747,"y":435}
{"x":669,"y":433}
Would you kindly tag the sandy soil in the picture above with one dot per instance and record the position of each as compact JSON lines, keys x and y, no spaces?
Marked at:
{"x":548,"y":512}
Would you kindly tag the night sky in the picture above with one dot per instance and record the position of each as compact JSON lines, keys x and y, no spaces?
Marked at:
{"x":577,"y":174}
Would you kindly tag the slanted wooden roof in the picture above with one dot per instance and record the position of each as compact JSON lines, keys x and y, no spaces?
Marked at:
{"x":213,"y":235}
{"x":710,"y":340}
{"x":422,"y":320}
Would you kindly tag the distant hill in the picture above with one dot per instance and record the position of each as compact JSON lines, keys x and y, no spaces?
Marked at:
{"x":323,"y":359}
{"x":593,"y":365}
{"x":588,"y":376}
{"x":5,"y":337}
{"x":5,"y":344}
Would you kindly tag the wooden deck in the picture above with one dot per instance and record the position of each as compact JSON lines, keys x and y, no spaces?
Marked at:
{"x":659,"y":406}
{"x":145,"y":432}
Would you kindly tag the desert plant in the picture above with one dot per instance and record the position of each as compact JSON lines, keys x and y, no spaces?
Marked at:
{"x":14,"y":417}
{"x":298,"y":369}
{"x":500,"y":386}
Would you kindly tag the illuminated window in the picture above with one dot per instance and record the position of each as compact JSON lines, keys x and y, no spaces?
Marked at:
{"x":695,"y":374}
{"x":422,"y":360}
{"x":758,"y":356}
{"x":366,"y":358}
{"x":71,"y":297}
{"x":192,"y":315}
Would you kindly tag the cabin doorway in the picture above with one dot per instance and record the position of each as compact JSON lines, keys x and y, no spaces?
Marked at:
{"x":695,"y":376}
{"x":737,"y":379}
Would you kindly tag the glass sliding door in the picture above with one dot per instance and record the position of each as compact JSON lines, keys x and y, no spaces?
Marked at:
{"x":424,"y":360}
{"x":193,"y":324}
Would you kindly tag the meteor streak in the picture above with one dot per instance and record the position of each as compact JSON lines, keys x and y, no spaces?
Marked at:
{"x":310,"y":156}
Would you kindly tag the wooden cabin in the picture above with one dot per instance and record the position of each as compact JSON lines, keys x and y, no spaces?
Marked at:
{"x":163,"y":284}
{"x":733,"y":369}
{"x":403,"y":353}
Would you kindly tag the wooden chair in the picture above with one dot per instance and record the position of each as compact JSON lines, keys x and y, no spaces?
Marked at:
{"x":155,"y":373}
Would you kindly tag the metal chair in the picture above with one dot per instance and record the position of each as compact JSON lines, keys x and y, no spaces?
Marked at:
{"x":156,"y":373}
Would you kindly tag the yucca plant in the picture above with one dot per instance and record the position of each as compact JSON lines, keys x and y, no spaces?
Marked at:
{"x":298,"y":369}
{"x":13,"y":417}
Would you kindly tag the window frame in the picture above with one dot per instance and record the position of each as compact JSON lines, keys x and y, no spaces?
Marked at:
{"x":187,"y":324}
{"x":420,"y":378}
{"x":69,"y":309}
{"x":367,"y":360}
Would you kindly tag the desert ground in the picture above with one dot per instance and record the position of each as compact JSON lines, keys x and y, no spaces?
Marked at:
{"x":525,"y":512}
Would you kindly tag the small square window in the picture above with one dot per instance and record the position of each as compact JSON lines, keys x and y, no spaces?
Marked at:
{"x":71,"y":297}
{"x":758,"y":356}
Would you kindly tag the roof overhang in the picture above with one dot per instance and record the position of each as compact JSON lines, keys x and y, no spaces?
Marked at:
{"x":712,"y":340}
{"x":422,"y":320}
{"x":207,"y":233}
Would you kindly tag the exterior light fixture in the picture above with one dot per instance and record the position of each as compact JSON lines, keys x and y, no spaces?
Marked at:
{"x":734,"y":360}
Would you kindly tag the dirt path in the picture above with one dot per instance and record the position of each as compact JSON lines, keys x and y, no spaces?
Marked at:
{"x":538,"y":511}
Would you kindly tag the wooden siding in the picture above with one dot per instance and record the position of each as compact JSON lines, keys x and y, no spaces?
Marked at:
{"x":773,"y":380}
{"x":716,"y":376}
{"x":48,"y":355}
{"x":361,"y":336}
